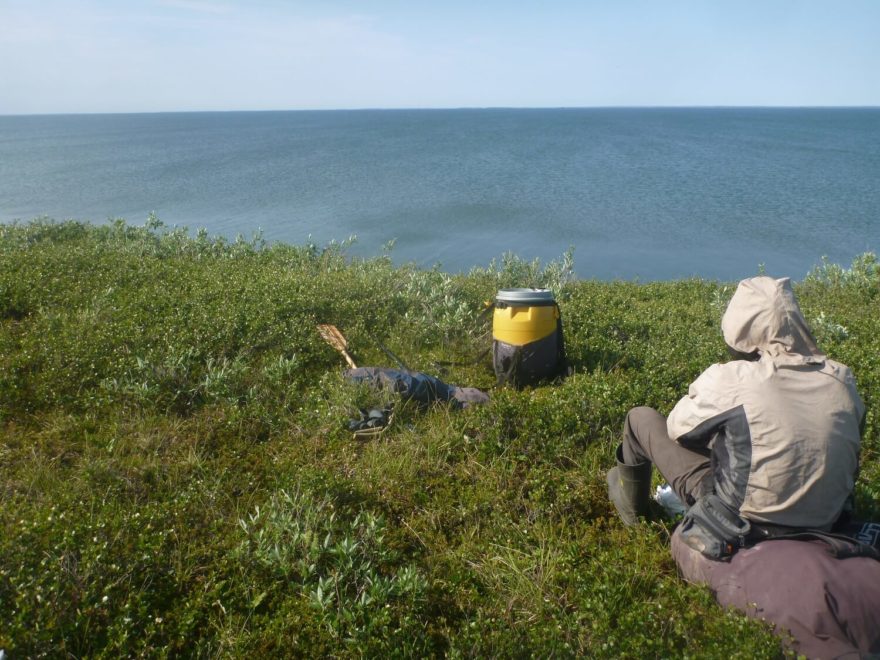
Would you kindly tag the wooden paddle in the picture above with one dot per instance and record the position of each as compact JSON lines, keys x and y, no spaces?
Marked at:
{"x":331,"y":334}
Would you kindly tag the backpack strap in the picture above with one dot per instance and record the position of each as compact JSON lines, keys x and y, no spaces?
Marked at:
{"x":840,"y":545}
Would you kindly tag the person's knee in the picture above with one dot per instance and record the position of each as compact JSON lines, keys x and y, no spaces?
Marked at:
{"x":641,"y":415}
{"x":633,"y":414}
{"x":640,"y":411}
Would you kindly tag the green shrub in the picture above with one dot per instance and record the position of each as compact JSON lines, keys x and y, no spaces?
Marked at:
{"x":177,"y":478}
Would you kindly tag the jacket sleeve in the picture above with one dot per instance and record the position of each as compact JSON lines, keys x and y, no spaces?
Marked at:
{"x":709,"y":403}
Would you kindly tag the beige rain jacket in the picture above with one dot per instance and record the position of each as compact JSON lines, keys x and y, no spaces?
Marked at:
{"x":784,"y":431}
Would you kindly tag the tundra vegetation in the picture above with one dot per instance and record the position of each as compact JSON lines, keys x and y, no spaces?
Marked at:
{"x":177,"y":479}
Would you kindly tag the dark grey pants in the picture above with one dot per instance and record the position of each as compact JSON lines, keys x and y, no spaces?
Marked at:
{"x":645,"y":439}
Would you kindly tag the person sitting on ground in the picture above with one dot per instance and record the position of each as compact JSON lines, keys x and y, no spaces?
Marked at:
{"x":773,"y":436}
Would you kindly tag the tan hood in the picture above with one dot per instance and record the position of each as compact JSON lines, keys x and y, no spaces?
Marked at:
{"x":763,"y":315}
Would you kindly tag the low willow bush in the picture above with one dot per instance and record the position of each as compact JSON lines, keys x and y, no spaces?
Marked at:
{"x":177,"y":477}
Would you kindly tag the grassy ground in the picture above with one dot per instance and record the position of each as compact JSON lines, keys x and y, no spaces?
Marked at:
{"x":176,"y":477}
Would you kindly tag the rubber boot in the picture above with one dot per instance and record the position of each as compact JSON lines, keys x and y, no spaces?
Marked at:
{"x":629,"y":488}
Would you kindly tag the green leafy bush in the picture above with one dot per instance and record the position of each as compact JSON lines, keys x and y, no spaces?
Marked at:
{"x":177,"y":478}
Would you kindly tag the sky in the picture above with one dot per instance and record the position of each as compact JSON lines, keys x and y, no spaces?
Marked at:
{"x":75,"y":56}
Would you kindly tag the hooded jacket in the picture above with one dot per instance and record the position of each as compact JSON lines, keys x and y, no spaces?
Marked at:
{"x":783,"y":431}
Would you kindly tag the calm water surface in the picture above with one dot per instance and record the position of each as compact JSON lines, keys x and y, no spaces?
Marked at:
{"x":646,"y":193}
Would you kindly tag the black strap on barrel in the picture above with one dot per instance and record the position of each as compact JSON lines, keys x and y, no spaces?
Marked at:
{"x":561,"y":359}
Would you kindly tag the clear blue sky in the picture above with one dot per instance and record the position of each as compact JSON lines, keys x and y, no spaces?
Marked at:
{"x":158,"y":55}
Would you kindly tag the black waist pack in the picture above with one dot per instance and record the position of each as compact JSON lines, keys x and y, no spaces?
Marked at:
{"x":715,"y":529}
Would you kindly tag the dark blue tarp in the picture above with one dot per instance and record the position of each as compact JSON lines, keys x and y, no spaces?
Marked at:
{"x":416,"y":385}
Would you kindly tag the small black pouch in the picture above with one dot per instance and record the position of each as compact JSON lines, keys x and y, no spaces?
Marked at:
{"x":714,"y":529}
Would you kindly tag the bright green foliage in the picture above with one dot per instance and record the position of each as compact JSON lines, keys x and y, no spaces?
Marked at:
{"x":177,"y":478}
{"x":344,"y":569}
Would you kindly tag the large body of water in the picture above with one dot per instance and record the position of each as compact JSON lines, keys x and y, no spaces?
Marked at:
{"x":639,"y":193}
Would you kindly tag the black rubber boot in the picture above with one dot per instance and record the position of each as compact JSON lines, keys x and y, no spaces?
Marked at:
{"x":629,"y":488}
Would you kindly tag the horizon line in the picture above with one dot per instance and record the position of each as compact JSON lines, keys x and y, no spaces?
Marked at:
{"x":450,"y":108}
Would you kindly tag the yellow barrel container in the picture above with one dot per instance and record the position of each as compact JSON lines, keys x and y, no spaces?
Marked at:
{"x":526,"y":333}
{"x":523,"y":325}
